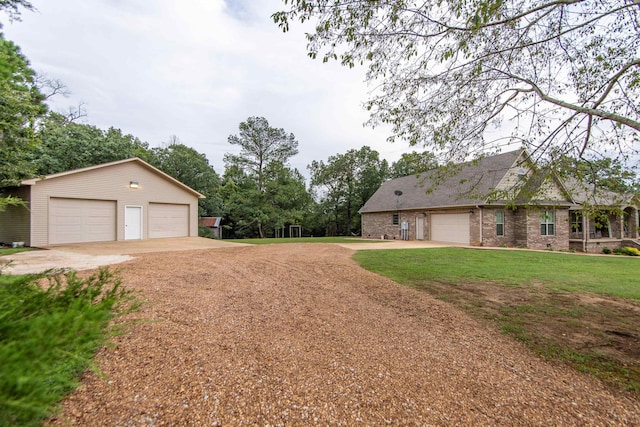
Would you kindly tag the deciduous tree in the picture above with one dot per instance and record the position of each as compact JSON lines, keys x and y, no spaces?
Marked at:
{"x":565,"y":73}
{"x":344,"y":183}
{"x":413,"y":163}
{"x":21,"y":105}
{"x":191,"y":168}
{"x":66,"y":145}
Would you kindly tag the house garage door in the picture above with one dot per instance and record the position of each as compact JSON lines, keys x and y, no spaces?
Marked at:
{"x":167,"y":220}
{"x":452,"y":228}
{"x":81,"y":220}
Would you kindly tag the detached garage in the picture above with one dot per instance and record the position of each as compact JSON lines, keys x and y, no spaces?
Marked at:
{"x":123,"y":200}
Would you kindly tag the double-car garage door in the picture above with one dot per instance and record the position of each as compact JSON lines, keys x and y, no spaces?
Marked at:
{"x":450,"y":227}
{"x":84,"y":220}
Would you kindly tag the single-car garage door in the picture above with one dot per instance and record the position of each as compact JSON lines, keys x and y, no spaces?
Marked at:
{"x":168,"y":220}
{"x":81,"y":220}
{"x":453,"y":227}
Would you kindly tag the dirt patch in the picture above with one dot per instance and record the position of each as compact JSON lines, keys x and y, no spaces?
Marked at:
{"x":600,"y":332}
{"x":301,"y":335}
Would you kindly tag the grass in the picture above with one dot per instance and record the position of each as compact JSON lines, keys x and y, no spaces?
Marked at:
{"x":578,"y":310}
{"x":611,"y":276}
{"x":9,"y":251}
{"x":302,"y":240}
{"x":48,"y":336}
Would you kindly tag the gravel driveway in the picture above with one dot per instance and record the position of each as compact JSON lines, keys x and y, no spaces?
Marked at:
{"x":300,"y":335}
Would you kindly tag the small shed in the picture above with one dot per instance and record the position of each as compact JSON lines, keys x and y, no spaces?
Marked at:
{"x":213,"y":223}
{"x":122,"y":200}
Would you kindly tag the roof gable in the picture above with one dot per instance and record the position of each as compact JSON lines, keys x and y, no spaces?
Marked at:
{"x":134,"y":160}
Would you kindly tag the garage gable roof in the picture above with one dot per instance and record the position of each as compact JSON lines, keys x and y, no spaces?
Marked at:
{"x":135,"y":160}
{"x":463,"y":185}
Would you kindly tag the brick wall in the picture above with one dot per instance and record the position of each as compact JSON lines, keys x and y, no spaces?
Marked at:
{"x":521,"y":227}
{"x":489,"y":228}
{"x":559,"y":241}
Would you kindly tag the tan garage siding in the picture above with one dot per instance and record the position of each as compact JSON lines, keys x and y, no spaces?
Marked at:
{"x":110,"y":183}
{"x":168,"y":220}
{"x":14,"y":221}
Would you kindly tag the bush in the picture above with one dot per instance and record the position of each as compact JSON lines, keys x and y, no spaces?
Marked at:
{"x":48,"y":336}
{"x":628,"y":251}
{"x":204,"y":231}
{"x":606,"y":250}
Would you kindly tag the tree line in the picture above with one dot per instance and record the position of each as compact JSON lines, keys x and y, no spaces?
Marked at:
{"x":258,"y":192}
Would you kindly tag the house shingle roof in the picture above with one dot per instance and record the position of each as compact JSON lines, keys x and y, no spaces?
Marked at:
{"x":465,"y":185}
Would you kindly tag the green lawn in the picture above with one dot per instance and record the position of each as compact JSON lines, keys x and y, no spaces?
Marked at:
{"x":9,"y":251}
{"x":302,"y":240}
{"x":617,"y":276}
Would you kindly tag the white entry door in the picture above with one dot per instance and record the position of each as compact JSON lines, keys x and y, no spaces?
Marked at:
{"x":132,"y":223}
{"x":419,"y":227}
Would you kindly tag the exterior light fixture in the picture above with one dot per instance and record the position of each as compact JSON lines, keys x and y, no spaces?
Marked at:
{"x":133,"y":184}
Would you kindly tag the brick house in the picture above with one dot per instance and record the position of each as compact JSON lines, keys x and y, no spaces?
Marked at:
{"x":500,"y":200}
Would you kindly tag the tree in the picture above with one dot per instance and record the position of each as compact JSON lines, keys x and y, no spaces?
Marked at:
{"x":260,"y":145}
{"x":565,"y":72}
{"x":413,"y":163}
{"x":191,"y":168}
{"x":344,"y":184}
{"x":21,"y":105}
{"x":602,"y":173}
{"x":250,"y":212}
{"x":66,"y":145}
{"x":262,"y":148}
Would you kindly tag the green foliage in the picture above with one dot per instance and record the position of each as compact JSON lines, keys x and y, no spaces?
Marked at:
{"x":10,"y":201}
{"x":191,"y":168}
{"x":606,"y":250}
{"x":67,"y":145}
{"x":21,"y":105}
{"x":259,"y":190}
{"x":260,"y":145}
{"x":204,"y":231}
{"x":627,"y":251}
{"x":251,"y":212}
{"x":413,"y":163}
{"x":601,"y":275}
{"x":48,"y":336}
{"x":563,"y":74}
{"x":345,"y":182}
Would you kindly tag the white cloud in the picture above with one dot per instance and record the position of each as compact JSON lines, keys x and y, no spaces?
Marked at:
{"x":197,"y":69}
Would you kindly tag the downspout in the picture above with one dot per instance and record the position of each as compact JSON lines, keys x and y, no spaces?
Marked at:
{"x":585,"y":231}
{"x":481,"y":225}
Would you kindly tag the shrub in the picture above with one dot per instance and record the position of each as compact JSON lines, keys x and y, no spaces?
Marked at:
{"x":204,"y":231}
{"x":606,"y":250}
{"x":50,"y":329}
{"x":629,"y":251}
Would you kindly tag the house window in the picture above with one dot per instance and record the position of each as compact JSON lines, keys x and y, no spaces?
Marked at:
{"x":547,"y":226}
{"x":395,"y":219}
{"x":576,"y":222}
{"x":500,"y":223}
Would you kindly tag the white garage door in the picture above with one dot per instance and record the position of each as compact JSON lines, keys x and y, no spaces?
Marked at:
{"x":166,"y":220}
{"x":452,"y":228}
{"x":81,"y":220}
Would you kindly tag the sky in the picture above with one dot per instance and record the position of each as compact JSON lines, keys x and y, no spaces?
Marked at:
{"x":196,"y":69}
